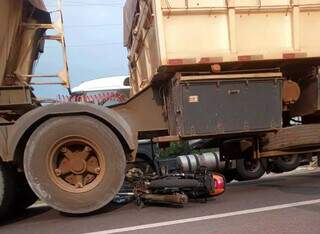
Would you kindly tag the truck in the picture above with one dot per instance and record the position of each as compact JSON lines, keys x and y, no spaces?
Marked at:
{"x":113,"y":90}
{"x":242,"y":73}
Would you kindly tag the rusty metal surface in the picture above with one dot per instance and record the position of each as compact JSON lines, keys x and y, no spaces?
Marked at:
{"x":277,"y":153}
{"x":76,"y":165}
{"x":166,"y":139}
{"x":93,"y":195}
{"x":19,"y":45}
{"x":33,"y":118}
{"x":309,"y":101}
{"x":214,"y":107}
{"x":11,"y":96}
{"x":291,"y":92}
{"x":297,"y":137}
{"x":144,"y":112}
{"x":248,"y":65}
{"x":172,"y":198}
{"x":162,"y":47}
{"x":59,"y":37}
{"x":23,"y":25}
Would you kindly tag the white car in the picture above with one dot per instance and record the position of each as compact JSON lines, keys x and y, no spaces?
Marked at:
{"x":104,"y":91}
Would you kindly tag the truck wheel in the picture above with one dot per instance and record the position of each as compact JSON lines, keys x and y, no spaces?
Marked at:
{"x":74,"y":164}
{"x":25,"y":197}
{"x":7,"y":190}
{"x":286,"y":163}
{"x":249,"y":169}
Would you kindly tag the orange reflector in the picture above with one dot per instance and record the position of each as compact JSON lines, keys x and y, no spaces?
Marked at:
{"x":244,"y":58}
{"x":250,"y":57}
{"x":294,"y":55}
{"x":181,"y":61}
{"x":175,"y":62}
{"x":211,"y":60}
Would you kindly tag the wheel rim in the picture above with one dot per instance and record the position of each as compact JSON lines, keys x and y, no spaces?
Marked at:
{"x":76,"y":164}
{"x":252,"y":165}
{"x":288,"y":159}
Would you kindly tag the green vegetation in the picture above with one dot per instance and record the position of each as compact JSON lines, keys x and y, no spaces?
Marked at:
{"x":175,"y":149}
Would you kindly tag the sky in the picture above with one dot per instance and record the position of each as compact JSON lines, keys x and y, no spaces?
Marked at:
{"x":94,"y":38}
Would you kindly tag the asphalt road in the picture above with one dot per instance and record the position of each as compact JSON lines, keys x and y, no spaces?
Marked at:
{"x":275,"y":204}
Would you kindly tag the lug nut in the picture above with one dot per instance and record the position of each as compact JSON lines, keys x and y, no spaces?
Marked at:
{"x":79,"y":185}
{"x":58,"y":172}
{"x":97,"y":170}
{"x":63,"y":149}
{"x":87,"y":148}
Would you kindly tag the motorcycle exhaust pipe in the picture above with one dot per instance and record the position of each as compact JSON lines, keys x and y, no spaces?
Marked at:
{"x":172,"y":198}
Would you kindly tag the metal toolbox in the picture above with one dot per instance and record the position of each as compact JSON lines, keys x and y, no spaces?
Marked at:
{"x":208,"y":105}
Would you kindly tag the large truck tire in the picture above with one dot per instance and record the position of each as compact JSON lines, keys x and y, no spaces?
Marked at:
{"x":249,"y":169}
{"x":75,"y":164}
{"x":285,"y":163}
{"x":300,"y":136}
{"x":7,"y":190}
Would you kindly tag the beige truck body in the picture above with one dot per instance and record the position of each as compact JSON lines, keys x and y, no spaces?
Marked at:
{"x":161,"y":33}
{"x":19,"y":44}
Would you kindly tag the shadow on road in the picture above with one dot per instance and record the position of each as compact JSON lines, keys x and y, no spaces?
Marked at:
{"x":36,"y":211}
{"x":25,"y":214}
{"x":107,"y":209}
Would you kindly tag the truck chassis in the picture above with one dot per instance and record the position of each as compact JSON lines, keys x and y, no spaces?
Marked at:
{"x":73,"y":155}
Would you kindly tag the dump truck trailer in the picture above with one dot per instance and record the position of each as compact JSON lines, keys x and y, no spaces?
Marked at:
{"x":242,"y":73}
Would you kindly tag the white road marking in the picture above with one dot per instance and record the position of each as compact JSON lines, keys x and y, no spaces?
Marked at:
{"x":208,"y":217}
